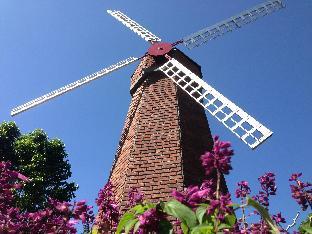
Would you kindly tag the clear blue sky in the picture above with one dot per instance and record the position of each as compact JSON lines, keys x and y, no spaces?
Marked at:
{"x":265,"y":68}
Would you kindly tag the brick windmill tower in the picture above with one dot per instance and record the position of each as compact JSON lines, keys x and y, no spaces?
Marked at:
{"x":166,"y":129}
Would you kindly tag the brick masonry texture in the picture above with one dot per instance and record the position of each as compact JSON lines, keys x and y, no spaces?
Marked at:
{"x":164,"y":135}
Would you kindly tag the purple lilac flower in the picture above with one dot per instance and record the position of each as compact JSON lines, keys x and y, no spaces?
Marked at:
{"x":278,"y":218}
{"x":134,"y":197}
{"x":221,"y":205}
{"x":267,"y":182}
{"x":262,"y":198}
{"x":59,"y":217}
{"x":219,"y":158}
{"x":261,"y":227}
{"x":195,"y":195}
{"x":149,"y":221}
{"x":108,"y":214}
{"x":243,"y":189}
{"x":301,"y":192}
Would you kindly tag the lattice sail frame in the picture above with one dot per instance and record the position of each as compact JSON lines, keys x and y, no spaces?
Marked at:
{"x":245,"y":127}
{"x":134,"y":26}
{"x":232,"y":23}
{"x":72,"y":86}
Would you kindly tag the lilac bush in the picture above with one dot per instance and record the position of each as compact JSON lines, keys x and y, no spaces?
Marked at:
{"x":301,"y":191}
{"x":204,"y":209}
{"x":58,"y":217}
{"x":108,"y":212}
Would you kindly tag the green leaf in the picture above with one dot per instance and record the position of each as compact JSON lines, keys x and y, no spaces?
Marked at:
{"x":264,"y":214}
{"x":136,"y":227}
{"x":129,"y":225}
{"x":124,"y":220}
{"x":202,"y":229}
{"x":185,"y":229}
{"x":306,"y":225}
{"x":138,"y":209}
{"x":230,"y":219}
{"x":223,"y":226}
{"x":165,"y":227}
{"x":200,"y":214}
{"x":180,"y":211}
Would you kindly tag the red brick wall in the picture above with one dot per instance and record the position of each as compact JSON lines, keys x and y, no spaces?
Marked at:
{"x":164,"y":135}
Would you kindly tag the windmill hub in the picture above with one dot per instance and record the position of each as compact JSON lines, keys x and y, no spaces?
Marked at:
{"x":159,"y":48}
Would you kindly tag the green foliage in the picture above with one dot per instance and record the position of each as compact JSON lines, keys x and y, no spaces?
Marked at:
{"x":42,"y":160}
{"x":129,"y":221}
{"x":264,"y":214}
{"x":182,"y":212}
{"x":306,"y":225}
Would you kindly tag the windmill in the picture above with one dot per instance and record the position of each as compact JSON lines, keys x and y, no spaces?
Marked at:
{"x":162,"y":61}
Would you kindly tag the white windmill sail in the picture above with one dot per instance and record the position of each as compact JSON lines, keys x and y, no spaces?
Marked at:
{"x":134,"y":26}
{"x":72,"y":86}
{"x":232,"y":23}
{"x":230,"y":115}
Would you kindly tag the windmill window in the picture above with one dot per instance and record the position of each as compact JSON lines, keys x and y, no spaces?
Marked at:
{"x":214,"y":32}
{"x":209,"y":96}
{"x":176,"y":78}
{"x":175,"y":69}
{"x":223,"y":28}
{"x":206,"y":35}
{"x":204,"y":101}
{"x":197,"y":38}
{"x":254,"y":14}
{"x":238,"y":21}
{"x":250,"y":140}
{"x":257,"y":134}
{"x":220,"y":115}
{"x":277,"y":4}
{"x":262,"y":11}
{"x":194,"y":84}
{"x":181,"y":74}
{"x":187,"y":79}
{"x":169,"y":64}
{"x":270,"y":7}
{"x":236,"y":118}
{"x":170,"y":73}
{"x":182,"y":83}
{"x":232,"y":25}
{"x":196,"y":94}
{"x":226,"y":110}
{"x":241,"y":132}
{"x":164,"y":68}
{"x":229,"y":123}
{"x":247,"y":19}
{"x":246,"y":126}
{"x":189,"y":89}
{"x":211,"y":108}
{"x":217,"y":103}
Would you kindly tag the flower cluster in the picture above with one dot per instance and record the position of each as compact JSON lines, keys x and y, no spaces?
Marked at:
{"x":193,"y":195}
{"x":221,"y":205}
{"x":219,"y":158}
{"x":134,"y":197}
{"x":301,"y":191}
{"x":108,"y":214}
{"x":59,"y":217}
{"x":243,"y":189}
{"x":267,"y":182}
{"x":149,"y":221}
{"x":278,"y":218}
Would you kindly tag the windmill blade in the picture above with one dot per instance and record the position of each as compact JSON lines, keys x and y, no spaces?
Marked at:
{"x":71,"y":86}
{"x":134,"y":26}
{"x":230,"y":115}
{"x":232,"y":23}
